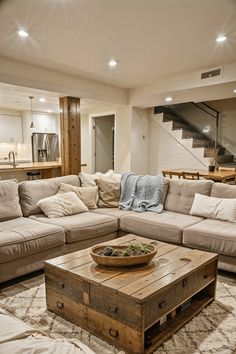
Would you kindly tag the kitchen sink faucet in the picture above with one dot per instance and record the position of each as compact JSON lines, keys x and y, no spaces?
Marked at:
{"x":13,"y":157}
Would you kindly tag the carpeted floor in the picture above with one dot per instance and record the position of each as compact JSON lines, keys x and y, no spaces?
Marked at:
{"x":212,"y":331}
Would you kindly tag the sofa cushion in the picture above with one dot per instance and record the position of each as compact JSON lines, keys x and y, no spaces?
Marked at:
{"x":17,"y":337}
{"x":88,"y":195}
{"x":88,"y":179}
{"x":82,"y":226}
{"x":223,"y":190}
{"x":117,"y":213}
{"x":167,"y":226}
{"x":32,"y":191}
{"x":181,"y":194}
{"x":62,"y":204}
{"x":165,"y":189}
{"x":213,"y":235}
{"x":109,"y":193}
{"x":24,"y":237}
{"x":9,"y":200}
{"x":214,"y":208}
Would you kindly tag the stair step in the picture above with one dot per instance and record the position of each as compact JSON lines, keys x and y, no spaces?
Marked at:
{"x":180,"y":125}
{"x":201,"y":142}
{"x":225,"y":159}
{"x":187,"y":133}
{"x":171,"y":117}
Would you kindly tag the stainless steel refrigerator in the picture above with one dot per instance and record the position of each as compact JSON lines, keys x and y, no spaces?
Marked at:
{"x":45,"y":147}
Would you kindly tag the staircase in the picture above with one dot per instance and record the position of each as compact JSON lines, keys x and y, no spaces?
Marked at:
{"x":192,"y":138}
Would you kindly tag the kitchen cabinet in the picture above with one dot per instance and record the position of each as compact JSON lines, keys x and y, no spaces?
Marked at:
{"x":10,"y":129}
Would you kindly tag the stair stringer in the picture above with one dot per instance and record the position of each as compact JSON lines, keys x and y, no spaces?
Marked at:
{"x":196,"y":152}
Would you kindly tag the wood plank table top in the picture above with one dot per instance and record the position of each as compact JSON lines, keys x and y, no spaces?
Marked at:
{"x":217,"y":175}
{"x":170,"y":263}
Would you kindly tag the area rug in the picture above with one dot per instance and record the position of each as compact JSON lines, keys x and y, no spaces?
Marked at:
{"x":212,"y":331}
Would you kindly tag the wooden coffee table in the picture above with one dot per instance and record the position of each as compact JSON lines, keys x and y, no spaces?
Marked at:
{"x":136,"y":308}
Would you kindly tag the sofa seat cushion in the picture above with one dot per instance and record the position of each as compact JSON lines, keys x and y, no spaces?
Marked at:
{"x":23,"y":237}
{"x":117,"y":213}
{"x":213,"y":235}
{"x":82,"y":226}
{"x":167,"y":226}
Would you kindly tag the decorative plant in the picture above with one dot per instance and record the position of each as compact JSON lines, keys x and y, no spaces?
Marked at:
{"x":211,"y":154}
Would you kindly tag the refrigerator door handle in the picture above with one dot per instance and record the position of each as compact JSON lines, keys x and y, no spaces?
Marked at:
{"x":48,"y":148}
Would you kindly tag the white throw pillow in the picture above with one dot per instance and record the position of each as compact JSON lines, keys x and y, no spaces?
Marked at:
{"x":88,"y":195}
{"x":62,"y":204}
{"x":214,"y":208}
{"x":88,"y":180}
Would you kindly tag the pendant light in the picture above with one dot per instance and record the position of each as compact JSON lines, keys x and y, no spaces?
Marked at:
{"x":31,"y":111}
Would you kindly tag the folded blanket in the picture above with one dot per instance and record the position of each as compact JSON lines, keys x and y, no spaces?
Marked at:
{"x":141,"y":193}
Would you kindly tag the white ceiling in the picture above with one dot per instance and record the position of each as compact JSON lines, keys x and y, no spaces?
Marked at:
{"x":150,"y":38}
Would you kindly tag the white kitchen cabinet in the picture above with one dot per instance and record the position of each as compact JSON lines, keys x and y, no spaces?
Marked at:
{"x":10,"y":129}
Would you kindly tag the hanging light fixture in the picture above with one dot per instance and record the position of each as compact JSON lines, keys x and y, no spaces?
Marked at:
{"x":31,"y":110}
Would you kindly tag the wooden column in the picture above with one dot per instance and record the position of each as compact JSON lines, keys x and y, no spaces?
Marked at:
{"x":70,"y":135}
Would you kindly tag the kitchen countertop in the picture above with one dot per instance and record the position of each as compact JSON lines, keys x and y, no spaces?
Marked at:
{"x":29,"y":166}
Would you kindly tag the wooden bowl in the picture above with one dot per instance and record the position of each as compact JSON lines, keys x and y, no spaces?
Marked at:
{"x":120,"y":261}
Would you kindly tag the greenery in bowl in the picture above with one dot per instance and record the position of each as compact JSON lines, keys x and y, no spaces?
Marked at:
{"x":133,"y":249}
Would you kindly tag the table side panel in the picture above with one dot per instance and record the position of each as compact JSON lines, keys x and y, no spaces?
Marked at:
{"x":173,"y":296}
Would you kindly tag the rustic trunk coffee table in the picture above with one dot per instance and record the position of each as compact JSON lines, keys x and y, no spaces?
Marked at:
{"x":135,"y":308}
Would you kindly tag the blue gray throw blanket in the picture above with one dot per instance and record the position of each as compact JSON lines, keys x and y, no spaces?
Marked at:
{"x":141,"y":193}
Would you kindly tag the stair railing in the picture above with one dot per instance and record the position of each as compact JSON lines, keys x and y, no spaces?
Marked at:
{"x":213,"y":113}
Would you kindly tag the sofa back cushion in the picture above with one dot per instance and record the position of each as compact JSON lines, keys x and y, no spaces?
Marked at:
{"x":9,"y":200}
{"x":223,"y":190}
{"x":32,"y":191}
{"x":181,"y":194}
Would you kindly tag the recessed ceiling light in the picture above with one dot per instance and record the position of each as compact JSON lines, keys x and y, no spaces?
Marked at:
{"x":49,"y":111}
{"x":234,"y":91}
{"x":23,"y":33}
{"x":168,"y":99}
{"x":112,"y":63}
{"x":221,"y":38}
{"x":42,"y":99}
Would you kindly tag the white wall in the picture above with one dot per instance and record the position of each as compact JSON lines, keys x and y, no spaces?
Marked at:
{"x":165,"y":152}
{"x":140,"y":140}
{"x":123,"y":130}
{"x":85,"y":141}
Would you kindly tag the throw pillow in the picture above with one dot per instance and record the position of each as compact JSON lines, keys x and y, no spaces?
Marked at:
{"x":88,"y":195}
{"x":61,"y":204}
{"x":88,"y":180}
{"x":214,"y":208}
{"x":109,"y":193}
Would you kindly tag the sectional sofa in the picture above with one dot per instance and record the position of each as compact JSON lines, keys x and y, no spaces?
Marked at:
{"x":28,"y":237}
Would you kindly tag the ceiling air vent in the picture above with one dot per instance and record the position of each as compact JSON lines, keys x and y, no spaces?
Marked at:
{"x":211,"y":73}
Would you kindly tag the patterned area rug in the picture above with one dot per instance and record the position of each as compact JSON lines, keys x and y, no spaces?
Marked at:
{"x":212,"y":331}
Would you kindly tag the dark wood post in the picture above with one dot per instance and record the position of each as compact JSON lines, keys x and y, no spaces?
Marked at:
{"x":70,"y":135}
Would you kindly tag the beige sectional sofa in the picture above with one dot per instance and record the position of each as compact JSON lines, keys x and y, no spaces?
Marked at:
{"x":28,"y":237}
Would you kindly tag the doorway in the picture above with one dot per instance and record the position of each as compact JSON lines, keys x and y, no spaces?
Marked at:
{"x":104,"y":129}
